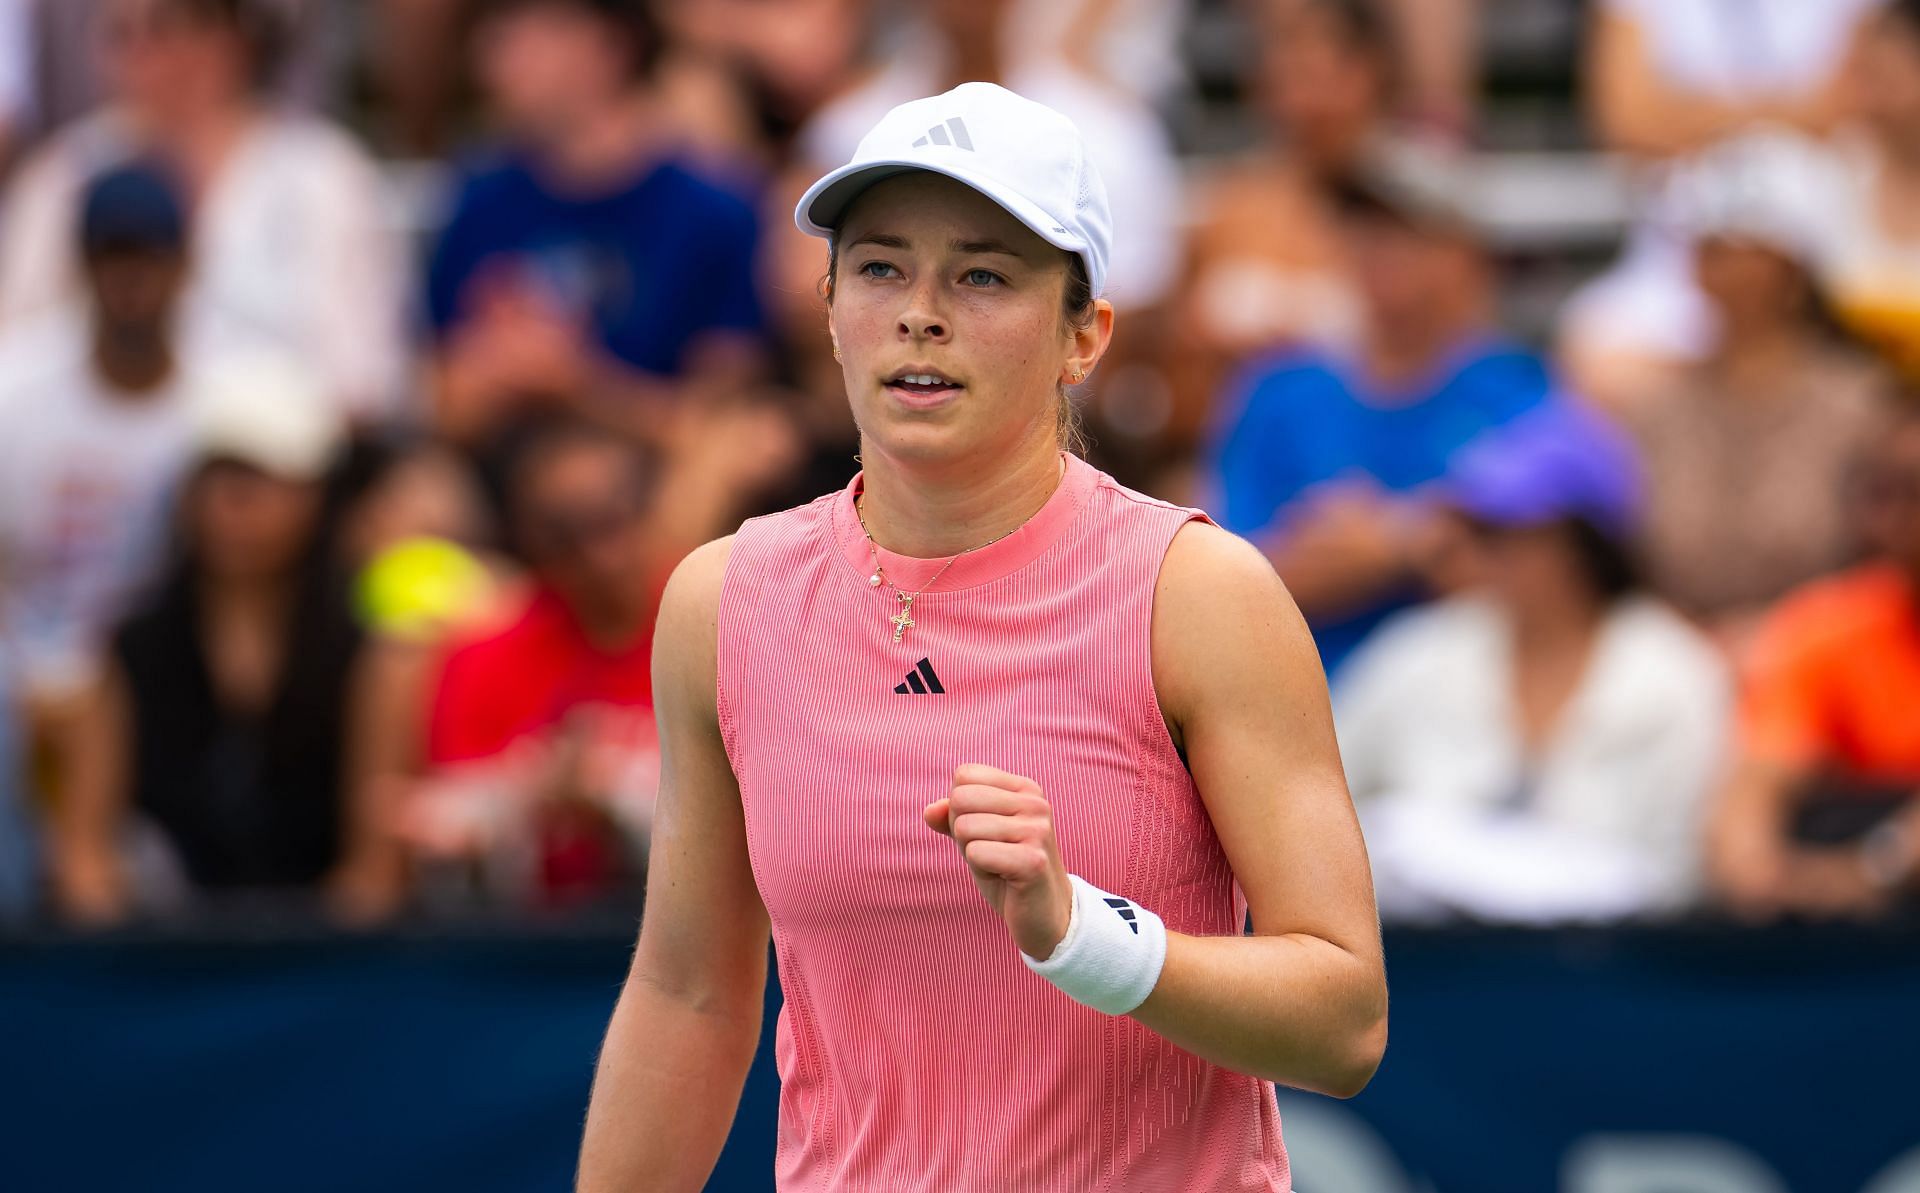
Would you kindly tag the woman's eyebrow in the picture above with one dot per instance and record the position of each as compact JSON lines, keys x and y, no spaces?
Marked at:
{"x":984,"y":246}
{"x":889,"y":240}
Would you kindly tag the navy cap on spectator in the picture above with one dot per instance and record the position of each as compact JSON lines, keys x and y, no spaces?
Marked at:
{"x":1559,"y":460}
{"x":132,"y":208}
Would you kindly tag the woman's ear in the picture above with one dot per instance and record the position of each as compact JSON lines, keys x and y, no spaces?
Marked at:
{"x":1090,"y":343}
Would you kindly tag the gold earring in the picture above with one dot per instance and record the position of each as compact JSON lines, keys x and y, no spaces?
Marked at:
{"x":836,"y":352}
{"x":1079,"y":375}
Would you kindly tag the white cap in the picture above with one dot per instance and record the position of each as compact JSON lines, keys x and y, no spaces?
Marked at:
{"x":1023,"y":155}
{"x":1766,"y":186}
{"x":269,"y":412}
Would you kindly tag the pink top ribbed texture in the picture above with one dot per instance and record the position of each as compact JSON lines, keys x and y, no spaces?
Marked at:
{"x":915,"y":1051}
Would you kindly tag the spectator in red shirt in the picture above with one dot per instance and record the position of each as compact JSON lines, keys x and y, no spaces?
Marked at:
{"x":539,"y":749}
{"x":1822,"y":814}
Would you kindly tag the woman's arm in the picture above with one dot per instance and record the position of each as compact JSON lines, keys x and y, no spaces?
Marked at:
{"x":1304,"y":1000}
{"x":385,"y":726}
{"x":1637,"y":111}
{"x":94,"y":741}
{"x":684,"y":1031}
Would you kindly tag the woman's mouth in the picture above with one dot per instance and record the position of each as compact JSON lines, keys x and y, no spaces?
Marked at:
{"x":922,"y":389}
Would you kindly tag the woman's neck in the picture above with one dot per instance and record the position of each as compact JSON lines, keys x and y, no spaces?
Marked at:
{"x":1553,"y":645}
{"x":1548,"y":629}
{"x":254,"y":599}
{"x":1754,"y":358}
{"x":199,"y":137}
{"x":605,"y":146}
{"x":926,"y":516}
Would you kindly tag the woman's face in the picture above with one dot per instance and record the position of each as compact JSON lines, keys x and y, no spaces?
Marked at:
{"x":248,"y":525}
{"x":1750,"y":283}
{"x":543,"y":67}
{"x":160,"y":55}
{"x":935,"y":280}
{"x":1887,"y":80}
{"x":1322,"y":92}
{"x":1531,"y":566}
{"x":583,"y":516}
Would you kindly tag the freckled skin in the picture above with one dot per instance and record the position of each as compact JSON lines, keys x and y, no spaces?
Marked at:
{"x":987,"y":319}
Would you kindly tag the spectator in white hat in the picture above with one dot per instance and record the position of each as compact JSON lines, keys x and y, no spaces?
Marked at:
{"x":1748,"y":449}
{"x":219,"y":755}
{"x":1668,"y":80}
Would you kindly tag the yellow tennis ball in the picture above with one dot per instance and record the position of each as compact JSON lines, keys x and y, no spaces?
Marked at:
{"x":418,"y":586}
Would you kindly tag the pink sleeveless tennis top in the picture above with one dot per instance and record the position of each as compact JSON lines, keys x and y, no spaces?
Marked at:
{"x":915,"y":1050}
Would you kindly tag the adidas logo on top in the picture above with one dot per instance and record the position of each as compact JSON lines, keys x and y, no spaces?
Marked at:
{"x":921,"y":681}
{"x":937,"y":135}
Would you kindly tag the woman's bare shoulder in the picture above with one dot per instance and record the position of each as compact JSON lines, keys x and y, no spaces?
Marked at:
{"x":686,"y":636}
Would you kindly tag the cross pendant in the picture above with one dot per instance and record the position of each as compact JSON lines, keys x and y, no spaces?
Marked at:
{"x":902,"y":621}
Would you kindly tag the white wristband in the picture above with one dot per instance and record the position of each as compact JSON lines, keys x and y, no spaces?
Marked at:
{"x":1111,"y":956}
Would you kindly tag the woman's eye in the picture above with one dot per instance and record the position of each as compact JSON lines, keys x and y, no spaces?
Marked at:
{"x":981,"y":277}
{"x":877,"y":269}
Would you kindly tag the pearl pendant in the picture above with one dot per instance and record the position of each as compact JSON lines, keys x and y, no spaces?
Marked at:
{"x":874,"y":580}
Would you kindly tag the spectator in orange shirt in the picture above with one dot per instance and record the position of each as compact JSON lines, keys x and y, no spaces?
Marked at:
{"x":1830,"y":737}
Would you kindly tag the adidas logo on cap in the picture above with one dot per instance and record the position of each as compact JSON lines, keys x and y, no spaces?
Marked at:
{"x":937,"y":135}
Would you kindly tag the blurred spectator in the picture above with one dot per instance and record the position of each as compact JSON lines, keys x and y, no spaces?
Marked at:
{"x":540,"y":751}
{"x":94,"y":432}
{"x":957,"y":41}
{"x":795,"y":55}
{"x":302,"y":69}
{"x":793,"y":269}
{"x":1874,"y":274}
{"x":1316,"y":448}
{"x":1822,"y":815}
{"x":1749,"y":450}
{"x":223,"y":719}
{"x":588,"y":262}
{"x":1128,"y":46}
{"x":416,"y":53}
{"x":1439,"y":46}
{"x":1667,"y":78}
{"x":292,"y":249}
{"x":1265,"y":265}
{"x":1540,"y":748}
{"x":416,"y":538}
{"x":404,"y":492}
{"x":16,"y":76}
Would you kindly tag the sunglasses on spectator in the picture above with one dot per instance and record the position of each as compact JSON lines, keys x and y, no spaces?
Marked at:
{"x":568,"y":532}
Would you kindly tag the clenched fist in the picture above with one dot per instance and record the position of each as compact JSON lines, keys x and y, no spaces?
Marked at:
{"x":1004,"y":828}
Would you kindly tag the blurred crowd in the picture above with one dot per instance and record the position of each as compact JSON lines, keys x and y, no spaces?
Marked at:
{"x":365,"y":368}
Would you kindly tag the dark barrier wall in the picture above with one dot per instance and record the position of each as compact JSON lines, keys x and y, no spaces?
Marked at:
{"x":1633,"y":1062}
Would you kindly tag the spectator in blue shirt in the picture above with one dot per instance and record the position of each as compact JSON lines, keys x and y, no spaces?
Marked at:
{"x":1317,"y":451}
{"x":587,"y":260}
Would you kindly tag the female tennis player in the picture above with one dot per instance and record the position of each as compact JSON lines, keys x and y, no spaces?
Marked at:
{"x":992,"y":746}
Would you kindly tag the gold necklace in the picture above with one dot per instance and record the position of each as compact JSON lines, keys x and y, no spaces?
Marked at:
{"x":903,"y":620}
